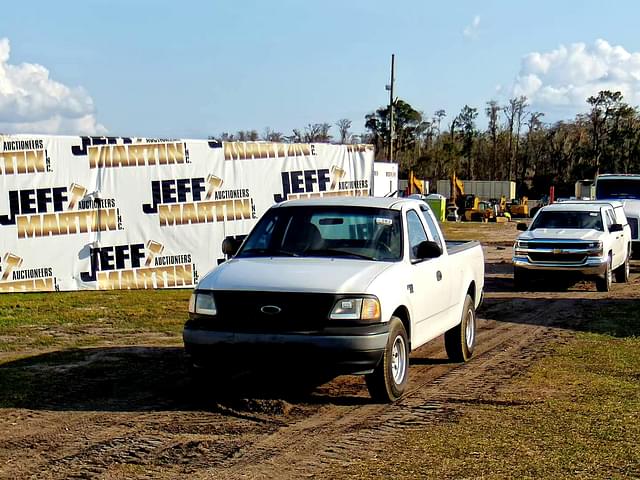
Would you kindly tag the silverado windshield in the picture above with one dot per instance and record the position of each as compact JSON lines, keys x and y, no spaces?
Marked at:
{"x":348,"y":232}
{"x":568,"y":219}
{"x":617,"y":188}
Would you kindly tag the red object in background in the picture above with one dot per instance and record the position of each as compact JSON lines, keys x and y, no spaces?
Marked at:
{"x":552,"y":194}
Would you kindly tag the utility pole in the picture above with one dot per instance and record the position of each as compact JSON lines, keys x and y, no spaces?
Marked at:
{"x":391,"y":107}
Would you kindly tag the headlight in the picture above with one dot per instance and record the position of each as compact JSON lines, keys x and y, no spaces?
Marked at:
{"x":596,"y":247}
{"x":520,"y":246}
{"x":202,"y":303}
{"x":356,"y":309}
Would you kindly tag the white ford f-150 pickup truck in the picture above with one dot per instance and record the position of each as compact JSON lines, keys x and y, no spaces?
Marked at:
{"x":590,"y":238}
{"x":355,"y":284}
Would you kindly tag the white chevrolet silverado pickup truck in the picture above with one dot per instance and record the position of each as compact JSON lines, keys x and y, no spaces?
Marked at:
{"x":590,"y":238}
{"x":355,"y":284}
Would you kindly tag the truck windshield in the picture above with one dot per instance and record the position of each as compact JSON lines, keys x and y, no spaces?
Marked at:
{"x":348,"y":232}
{"x":617,"y":188}
{"x":568,"y":219}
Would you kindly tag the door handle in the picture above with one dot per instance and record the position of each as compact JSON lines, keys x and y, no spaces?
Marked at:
{"x":439,"y":275}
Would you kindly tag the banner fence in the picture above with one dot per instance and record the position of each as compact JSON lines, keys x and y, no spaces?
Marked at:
{"x":87,"y":213}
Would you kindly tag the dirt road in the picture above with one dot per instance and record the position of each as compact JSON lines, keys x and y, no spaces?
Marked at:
{"x":130,"y":412}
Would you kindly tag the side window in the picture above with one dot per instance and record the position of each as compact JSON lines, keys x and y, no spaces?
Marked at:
{"x":416,"y":232}
{"x":608,"y":218}
{"x":433,"y":230}
{"x":619,"y":215}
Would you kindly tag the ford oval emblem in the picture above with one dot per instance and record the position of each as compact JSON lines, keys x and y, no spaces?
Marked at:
{"x":271,"y":309}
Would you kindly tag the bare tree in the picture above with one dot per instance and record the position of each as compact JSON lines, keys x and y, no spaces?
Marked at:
{"x":492,"y":111}
{"x":272,"y":136}
{"x":344,"y":125}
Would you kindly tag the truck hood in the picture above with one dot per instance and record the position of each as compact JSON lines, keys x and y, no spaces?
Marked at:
{"x":561,"y":234}
{"x":283,"y":274}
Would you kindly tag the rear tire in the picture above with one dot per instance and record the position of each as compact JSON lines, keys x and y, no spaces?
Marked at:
{"x":603,"y":283}
{"x":622,"y":272}
{"x":460,"y":340}
{"x":388,"y":381}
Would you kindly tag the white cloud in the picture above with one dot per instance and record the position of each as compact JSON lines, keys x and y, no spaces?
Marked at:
{"x":471,"y":31}
{"x":32,"y":102}
{"x":561,"y":80}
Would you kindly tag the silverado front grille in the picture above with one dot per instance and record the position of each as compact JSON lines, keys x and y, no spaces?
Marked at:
{"x":556,"y":245}
{"x":633,"y":224}
{"x":544,"y":257}
{"x":243,"y":311}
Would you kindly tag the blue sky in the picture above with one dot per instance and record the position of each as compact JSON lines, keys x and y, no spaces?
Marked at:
{"x":192,"y":69}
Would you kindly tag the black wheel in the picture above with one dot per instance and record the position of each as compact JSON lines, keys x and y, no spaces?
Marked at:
{"x":622,"y":272}
{"x":389,"y":380}
{"x":603,"y":283}
{"x":460,"y":340}
{"x":521,"y":279}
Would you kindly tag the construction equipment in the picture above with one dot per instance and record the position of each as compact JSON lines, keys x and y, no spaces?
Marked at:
{"x":520,"y":209}
{"x":456,"y":204}
{"x":476,"y":210}
{"x":416,"y":185}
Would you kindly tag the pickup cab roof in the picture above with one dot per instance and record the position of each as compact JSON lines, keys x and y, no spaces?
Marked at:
{"x":611,"y":203}
{"x":372,"y":202}
{"x":576,"y":206}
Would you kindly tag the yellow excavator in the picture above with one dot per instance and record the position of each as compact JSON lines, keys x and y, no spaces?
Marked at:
{"x":520,"y":209}
{"x":416,"y":185}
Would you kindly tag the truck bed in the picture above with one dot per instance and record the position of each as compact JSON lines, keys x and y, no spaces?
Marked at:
{"x":456,"y":246}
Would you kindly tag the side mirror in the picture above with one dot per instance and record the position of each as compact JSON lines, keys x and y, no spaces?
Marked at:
{"x":230,"y":246}
{"x":428,"y":249}
{"x":616,"y":227}
{"x":521,"y":226}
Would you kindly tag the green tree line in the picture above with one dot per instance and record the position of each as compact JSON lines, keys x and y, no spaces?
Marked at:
{"x":516,"y":144}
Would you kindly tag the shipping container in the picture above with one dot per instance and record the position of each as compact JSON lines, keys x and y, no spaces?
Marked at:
{"x":485,"y":189}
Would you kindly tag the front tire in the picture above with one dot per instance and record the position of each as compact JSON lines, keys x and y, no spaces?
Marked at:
{"x":622,"y":272}
{"x":388,"y":381}
{"x":460,"y":340}
{"x":521,"y":279}
{"x":603,"y":283}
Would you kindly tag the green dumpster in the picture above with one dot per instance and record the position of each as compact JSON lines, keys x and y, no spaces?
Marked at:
{"x":438,"y":204}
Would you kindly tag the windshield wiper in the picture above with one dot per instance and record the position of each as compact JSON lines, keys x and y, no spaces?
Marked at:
{"x":342,"y":253}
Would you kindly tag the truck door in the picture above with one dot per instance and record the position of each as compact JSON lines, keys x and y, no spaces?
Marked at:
{"x":427,"y":285}
{"x":454,"y":278}
{"x":617,"y":239}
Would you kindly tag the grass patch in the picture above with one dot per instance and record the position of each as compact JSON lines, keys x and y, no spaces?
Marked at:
{"x":573,"y":415}
{"x":43,"y":321}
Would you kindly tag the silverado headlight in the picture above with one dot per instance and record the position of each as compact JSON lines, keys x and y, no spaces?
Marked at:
{"x":356,"y":309}
{"x":520,"y":246}
{"x":596,"y":248}
{"x":202,"y":303}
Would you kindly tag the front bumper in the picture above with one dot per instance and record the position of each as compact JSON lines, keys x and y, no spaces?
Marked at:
{"x":346,"y":350}
{"x":591,"y":266}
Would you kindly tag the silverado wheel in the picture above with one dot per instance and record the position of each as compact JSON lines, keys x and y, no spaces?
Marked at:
{"x":460,"y":340}
{"x":622,"y":272}
{"x":389,"y":380}
{"x":520,"y":279}
{"x":603,"y":283}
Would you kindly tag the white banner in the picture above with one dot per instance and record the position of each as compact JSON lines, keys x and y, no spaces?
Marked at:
{"x":110,"y":213}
